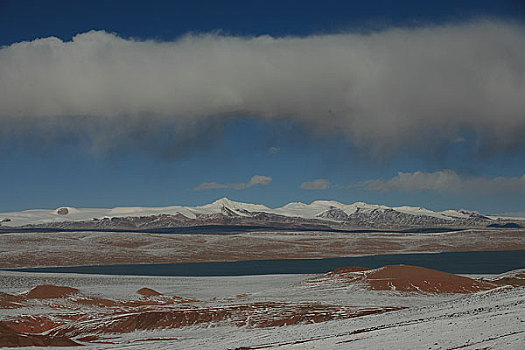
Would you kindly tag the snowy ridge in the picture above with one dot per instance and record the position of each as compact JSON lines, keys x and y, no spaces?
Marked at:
{"x":320,"y":209}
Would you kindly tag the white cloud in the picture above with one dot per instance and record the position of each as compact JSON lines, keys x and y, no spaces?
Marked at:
{"x":259,"y":180}
{"x":442,"y":180}
{"x":319,"y":184}
{"x":446,"y":181}
{"x":384,"y":91}
{"x":214,"y":185}
{"x":256,"y":180}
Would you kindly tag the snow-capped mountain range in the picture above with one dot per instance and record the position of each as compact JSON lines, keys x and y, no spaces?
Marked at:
{"x":231,"y":212}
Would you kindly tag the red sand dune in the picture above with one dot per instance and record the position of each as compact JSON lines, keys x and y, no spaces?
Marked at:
{"x":267,"y":314}
{"x":12,"y":338}
{"x":34,"y":324}
{"x":406,"y":278}
{"x":419,"y":279}
{"x":148,"y":292}
{"x":48,"y":291}
{"x":89,"y":327}
{"x":10,"y":301}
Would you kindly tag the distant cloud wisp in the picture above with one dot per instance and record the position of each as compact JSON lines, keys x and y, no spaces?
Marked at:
{"x":446,"y":181}
{"x":384,"y":91}
{"x":319,"y":184}
{"x":256,"y":180}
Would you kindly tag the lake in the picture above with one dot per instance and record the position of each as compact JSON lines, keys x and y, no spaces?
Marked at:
{"x":486,"y":262}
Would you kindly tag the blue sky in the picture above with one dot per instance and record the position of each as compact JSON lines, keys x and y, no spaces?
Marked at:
{"x":90,"y":159}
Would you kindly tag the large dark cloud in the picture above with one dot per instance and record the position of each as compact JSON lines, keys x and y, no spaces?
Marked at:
{"x":385,"y":91}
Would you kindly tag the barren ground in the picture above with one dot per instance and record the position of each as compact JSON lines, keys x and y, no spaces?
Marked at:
{"x":101,"y":248}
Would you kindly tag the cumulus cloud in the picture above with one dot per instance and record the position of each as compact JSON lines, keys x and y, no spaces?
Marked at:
{"x":442,"y":180}
{"x":319,"y":184}
{"x":446,"y":181}
{"x":259,"y":180}
{"x":385,"y":91}
{"x":256,"y":180}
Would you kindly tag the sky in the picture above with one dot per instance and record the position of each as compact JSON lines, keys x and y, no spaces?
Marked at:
{"x":129,"y":103}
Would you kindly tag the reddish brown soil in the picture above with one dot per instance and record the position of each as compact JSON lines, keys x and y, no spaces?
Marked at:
{"x":34,"y":324}
{"x":48,"y":291}
{"x":148,"y":292}
{"x":405,"y":278}
{"x":267,"y":314}
{"x":12,"y":338}
{"x":419,"y":279}
{"x":8,"y":301}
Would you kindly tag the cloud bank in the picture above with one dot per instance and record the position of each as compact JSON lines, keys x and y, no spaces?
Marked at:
{"x":319,"y":184}
{"x":446,"y":181}
{"x":256,"y":180}
{"x":385,"y":91}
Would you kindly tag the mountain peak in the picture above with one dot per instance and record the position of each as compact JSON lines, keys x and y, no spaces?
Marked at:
{"x":292,"y":205}
{"x":226,"y":202}
{"x":361,"y":213}
{"x":326,"y":203}
{"x":223,"y":201}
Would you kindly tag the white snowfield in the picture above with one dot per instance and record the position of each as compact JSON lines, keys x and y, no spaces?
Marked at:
{"x":493,"y":320}
{"x":296,"y":209}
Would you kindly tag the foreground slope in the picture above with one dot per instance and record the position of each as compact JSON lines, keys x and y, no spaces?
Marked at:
{"x":261,"y":311}
{"x":490,"y":320}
